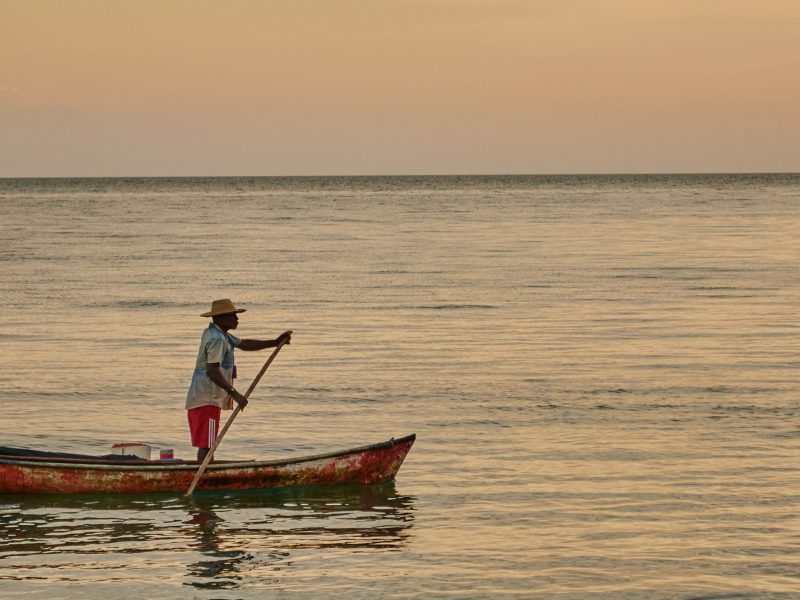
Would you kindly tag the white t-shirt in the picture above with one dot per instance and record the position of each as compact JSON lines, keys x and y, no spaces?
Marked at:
{"x":216,"y":346}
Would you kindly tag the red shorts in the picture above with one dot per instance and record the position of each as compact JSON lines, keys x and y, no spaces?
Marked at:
{"x":204,"y":425}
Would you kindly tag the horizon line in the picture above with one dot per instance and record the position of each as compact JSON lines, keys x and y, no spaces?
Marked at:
{"x":411,"y":175}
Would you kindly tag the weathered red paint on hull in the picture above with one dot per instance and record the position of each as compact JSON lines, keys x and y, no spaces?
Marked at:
{"x":377,"y":463}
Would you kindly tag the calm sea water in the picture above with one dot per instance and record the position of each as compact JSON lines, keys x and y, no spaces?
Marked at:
{"x":602,"y":372}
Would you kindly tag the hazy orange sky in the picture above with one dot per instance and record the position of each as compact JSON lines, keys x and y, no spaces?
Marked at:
{"x":302,"y":87}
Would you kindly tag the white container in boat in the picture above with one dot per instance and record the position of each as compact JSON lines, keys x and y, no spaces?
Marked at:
{"x":137,"y":449}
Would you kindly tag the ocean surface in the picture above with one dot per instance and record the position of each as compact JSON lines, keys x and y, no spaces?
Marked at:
{"x":602,"y":373}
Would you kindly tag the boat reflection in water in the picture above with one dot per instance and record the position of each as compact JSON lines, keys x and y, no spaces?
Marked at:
{"x":242,"y":537}
{"x":224,"y":539}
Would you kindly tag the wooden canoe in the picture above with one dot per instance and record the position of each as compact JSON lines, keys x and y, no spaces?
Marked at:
{"x":376,"y":463}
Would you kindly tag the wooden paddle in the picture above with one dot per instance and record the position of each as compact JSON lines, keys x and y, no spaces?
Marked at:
{"x":236,"y":411}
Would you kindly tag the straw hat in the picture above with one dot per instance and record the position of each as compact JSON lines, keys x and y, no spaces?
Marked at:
{"x":222,"y":307}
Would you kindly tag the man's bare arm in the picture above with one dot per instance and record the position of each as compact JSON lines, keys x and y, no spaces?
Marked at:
{"x":250,"y":345}
{"x":215,"y":375}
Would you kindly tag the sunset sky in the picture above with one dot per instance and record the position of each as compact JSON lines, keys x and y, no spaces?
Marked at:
{"x":346,"y":87}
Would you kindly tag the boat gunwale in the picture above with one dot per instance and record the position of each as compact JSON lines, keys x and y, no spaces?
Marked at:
{"x":110,"y":465}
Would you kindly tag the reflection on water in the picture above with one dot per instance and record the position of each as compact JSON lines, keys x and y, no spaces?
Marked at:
{"x":227,"y":529}
{"x":223,"y":537}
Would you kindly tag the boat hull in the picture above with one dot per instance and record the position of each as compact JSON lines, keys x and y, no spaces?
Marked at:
{"x":377,"y":463}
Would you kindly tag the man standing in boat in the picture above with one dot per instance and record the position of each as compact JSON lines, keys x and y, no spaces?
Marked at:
{"x":212,"y":382}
